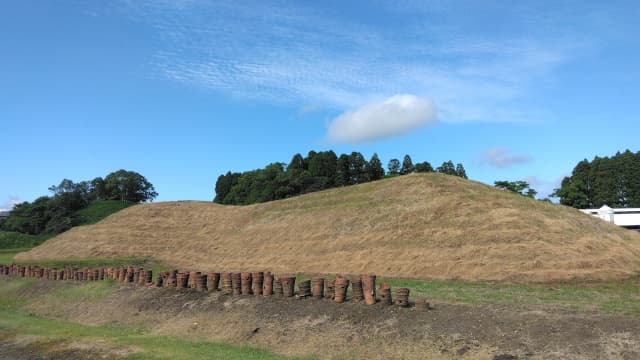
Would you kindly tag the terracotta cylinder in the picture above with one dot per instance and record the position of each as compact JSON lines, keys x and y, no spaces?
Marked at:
{"x":213,"y":281}
{"x":317,"y":287}
{"x":160,"y":280}
{"x":183,"y":280}
{"x":340,"y":289}
{"x":385,"y":294}
{"x":277,"y":288}
{"x":245,"y":283}
{"x":329,"y":291}
{"x":236,"y":283}
{"x":357,"y":293}
{"x":288,"y":285}
{"x":267,"y":285}
{"x":257,"y":280}
{"x":402,"y":297}
{"x":304,"y":288}
{"x":369,"y":288}
{"x":192,"y":279}
{"x":148,"y":276}
{"x":226,"y":283}
{"x":200,"y":281}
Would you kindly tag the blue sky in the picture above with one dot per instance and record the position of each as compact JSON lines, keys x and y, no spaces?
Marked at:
{"x":182,"y":91}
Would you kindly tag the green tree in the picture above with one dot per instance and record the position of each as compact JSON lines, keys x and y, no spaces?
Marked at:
{"x":519,"y":187}
{"x":375,"y":170}
{"x":224,"y":185}
{"x":447,"y":168}
{"x":424,"y":167}
{"x":358,"y":168}
{"x":343,"y":176}
{"x":407,"y":166}
{"x":129,"y":186}
{"x":460,"y":172}
{"x":394,"y":167}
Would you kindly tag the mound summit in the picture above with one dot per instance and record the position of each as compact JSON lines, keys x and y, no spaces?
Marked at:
{"x":426,"y":226}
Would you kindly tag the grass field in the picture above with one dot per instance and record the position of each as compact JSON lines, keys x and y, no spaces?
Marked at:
{"x":13,"y":240}
{"x":100,"y":210}
{"x":50,"y":335}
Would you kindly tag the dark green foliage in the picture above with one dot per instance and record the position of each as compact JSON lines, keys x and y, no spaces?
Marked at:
{"x":318,"y":171}
{"x":460,"y":172}
{"x":375,"y":170}
{"x":394,"y":166}
{"x":224,"y":185}
{"x":342,"y":177}
{"x":613,"y":181}
{"x":407,"y":166}
{"x":447,"y":168}
{"x":424,"y":167}
{"x":358,"y":169}
{"x":519,"y":187}
{"x":128,"y":186}
{"x":58,"y":213}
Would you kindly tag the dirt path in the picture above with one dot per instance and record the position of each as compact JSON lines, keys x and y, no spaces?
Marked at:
{"x":337,"y":331}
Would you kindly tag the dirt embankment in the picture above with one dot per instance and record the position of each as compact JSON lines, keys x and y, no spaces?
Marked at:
{"x":427,"y":226}
{"x":352,"y":331}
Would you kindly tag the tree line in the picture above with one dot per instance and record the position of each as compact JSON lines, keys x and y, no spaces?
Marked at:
{"x":612,"y":181}
{"x":56,"y":213}
{"x":317,"y":171}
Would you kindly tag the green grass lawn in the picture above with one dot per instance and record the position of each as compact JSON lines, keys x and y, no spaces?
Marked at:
{"x":13,"y":240}
{"x":50,"y":334}
{"x":609,"y":298}
{"x":100,"y":210}
{"x":605,"y":298}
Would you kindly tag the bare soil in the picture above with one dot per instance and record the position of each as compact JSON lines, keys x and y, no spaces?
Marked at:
{"x":321,"y":328}
{"x":425,"y":226}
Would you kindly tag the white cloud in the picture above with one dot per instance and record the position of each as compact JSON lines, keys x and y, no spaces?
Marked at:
{"x":396,"y":115}
{"x":544,"y":187}
{"x":503,"y":158}
{"x":9,"y":203}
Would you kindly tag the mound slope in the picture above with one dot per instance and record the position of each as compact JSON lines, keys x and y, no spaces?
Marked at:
{"x":427,"y":226}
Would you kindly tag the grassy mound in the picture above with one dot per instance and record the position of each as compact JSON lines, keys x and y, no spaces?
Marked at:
{"x":427,"y":226}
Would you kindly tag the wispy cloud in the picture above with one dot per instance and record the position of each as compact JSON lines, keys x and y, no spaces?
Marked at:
{"x":394,"y":116}
{"x":503,"y":158}
{"x":299,"y":53}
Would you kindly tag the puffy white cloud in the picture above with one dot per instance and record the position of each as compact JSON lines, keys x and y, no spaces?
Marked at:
{"x":503,"y":158}
{"x":9,"y":203}
{"x":396,"y":115}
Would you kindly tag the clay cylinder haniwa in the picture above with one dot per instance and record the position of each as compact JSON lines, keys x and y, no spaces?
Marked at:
{"x":213,"y":280}
{"x":288,"y":285}
{"x":257,"y":279}
{"x":369,"y":288}
{"x":341,"y":285}
{"x":317,"y":287}
{"x":267,"y":285}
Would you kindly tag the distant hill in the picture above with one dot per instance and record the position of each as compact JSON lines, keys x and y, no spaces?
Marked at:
{"x":428,"y":226}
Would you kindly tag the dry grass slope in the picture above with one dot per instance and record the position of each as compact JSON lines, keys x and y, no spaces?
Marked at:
{"x":427,"y":226}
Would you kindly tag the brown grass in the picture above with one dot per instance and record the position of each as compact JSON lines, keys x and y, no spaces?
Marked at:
{"x":429,"y":226}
